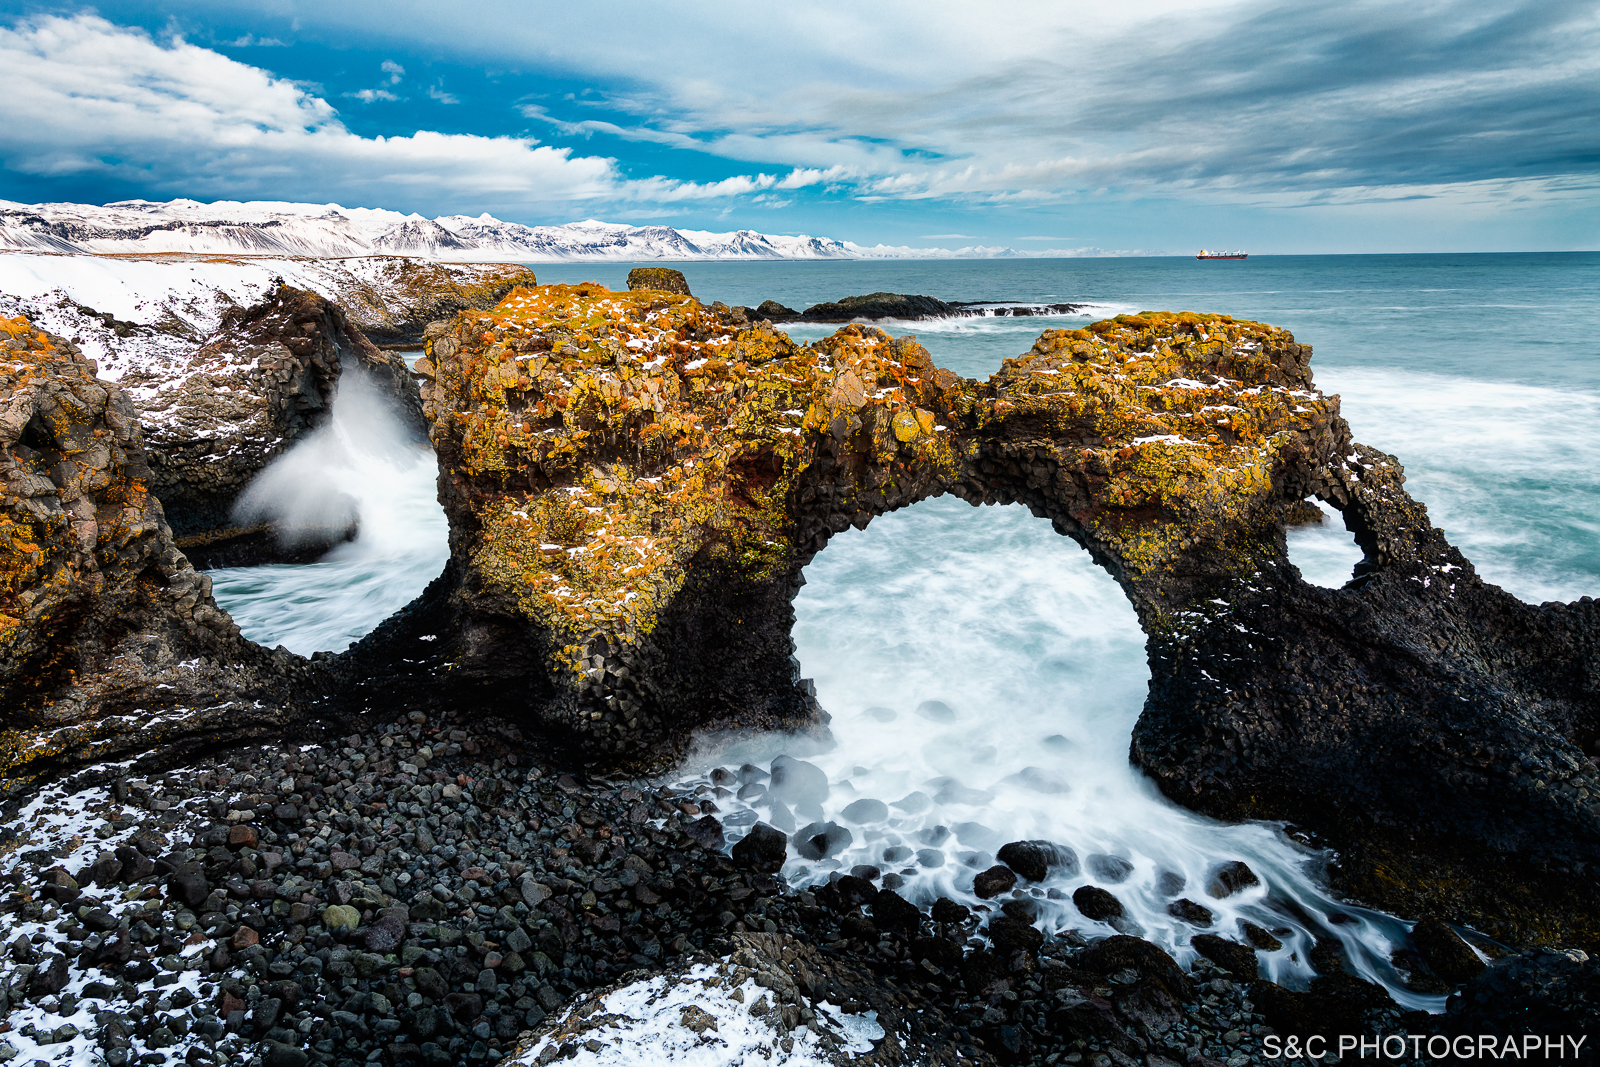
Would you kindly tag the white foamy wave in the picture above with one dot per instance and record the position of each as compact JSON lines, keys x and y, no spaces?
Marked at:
{"x":363,"y":464}
{"x":1036,"y":662}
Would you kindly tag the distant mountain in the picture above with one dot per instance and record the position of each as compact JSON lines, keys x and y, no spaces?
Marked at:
{"x":277,"y":228}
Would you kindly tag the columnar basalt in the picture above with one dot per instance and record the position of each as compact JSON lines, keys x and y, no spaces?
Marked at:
{"x":110,"y":641}
{"x":636,"y":481}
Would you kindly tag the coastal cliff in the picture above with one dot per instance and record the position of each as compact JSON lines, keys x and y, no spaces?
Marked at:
{"x":232,"y":360}
{"x":110,"y":641}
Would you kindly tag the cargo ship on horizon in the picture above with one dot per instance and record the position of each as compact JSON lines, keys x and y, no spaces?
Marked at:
{"x":1222,"y":255}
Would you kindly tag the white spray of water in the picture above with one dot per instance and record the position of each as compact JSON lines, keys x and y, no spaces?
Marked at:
{"x":1040,"y":660}
{"x":365,"y":465}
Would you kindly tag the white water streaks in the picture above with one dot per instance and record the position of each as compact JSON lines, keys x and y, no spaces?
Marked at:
{"x":361,"y":465}
{"x":1325,"y":551}
{"x":1036,"y":662}
{"x":1506,"y":470}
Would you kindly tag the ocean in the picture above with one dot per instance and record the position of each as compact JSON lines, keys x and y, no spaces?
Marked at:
{"x":1480,"y":372}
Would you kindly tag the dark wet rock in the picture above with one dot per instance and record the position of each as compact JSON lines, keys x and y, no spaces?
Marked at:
{"x":936,"y":711}
{"x":1260,"y":938}
{"x":1010,"y":935}
{"x":661,"y":279}
{"x":994,"y":881}
{"x":1170,"y":883}
{"x":1113,"y":869}
{"x":877,"y":306}
{"x":776,"y":312}
{"x":946,"y":910}
{"x":1230,"y":955}
{"x":820,"y":840}
{"x":897,"y":854}
{"x":1035,"y":860}
{"x":890,"y":910}
{"x":1096,"y":903}
{"x":1022,"y":909}
{"x":1542,"y":991}
{"x":1121,"y":952}
{"x":930,"y":857}
{"x":1446,"y":955}
{"x":1191,"y":913}
{"x":706,"y":831}
{"x":763,"y":849}
{"x":863,"y":811}
{"x":855,"y":889}
{"x":1231,"y":878}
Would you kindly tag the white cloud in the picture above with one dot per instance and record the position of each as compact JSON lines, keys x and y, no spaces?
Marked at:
{"x":87,"y":96}
{"x":437,"y":92}
{"x":367,"y":96}
{"x":394,"y":70}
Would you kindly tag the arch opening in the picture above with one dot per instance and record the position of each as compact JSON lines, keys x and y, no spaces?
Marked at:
{"x":363,"y":468}
{"x":1321,"y":547}
{"x":983,"y":675}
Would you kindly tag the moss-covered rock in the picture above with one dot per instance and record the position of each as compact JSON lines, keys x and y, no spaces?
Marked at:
{"x":636,"y":481}
{"x":661,"y":279}
{"x":110,"y":642}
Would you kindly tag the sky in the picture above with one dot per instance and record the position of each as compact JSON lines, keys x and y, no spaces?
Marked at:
{"x":1147,"y":126}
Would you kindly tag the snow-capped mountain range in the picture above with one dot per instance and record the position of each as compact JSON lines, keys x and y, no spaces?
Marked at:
{"x":276,"y":228}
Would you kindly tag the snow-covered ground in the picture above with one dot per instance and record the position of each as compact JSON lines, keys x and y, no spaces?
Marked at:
{"x":163,"y":307}
{"x":275,"y":228}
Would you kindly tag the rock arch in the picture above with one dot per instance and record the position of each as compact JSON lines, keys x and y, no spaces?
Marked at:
{"x":635,"y":482}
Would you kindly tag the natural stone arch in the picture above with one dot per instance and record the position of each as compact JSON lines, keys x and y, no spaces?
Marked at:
{"x":635,"y":482}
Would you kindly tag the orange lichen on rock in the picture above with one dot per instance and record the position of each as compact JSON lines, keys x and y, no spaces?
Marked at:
{"x":600,"y":449}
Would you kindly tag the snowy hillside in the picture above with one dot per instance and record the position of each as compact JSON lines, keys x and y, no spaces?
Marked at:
{"x":275,"y":228}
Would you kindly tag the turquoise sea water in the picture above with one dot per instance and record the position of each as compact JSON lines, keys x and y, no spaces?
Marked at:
{"x":1482,"y":373}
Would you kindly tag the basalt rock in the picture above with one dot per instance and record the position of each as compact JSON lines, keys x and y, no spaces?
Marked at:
{"x":262,"y":382}
{"x":661,"y":279}
{"x":905,"y":308}
{"x":635,"y":483}
{"x":110,"y":642}
{"x":396,"y":297}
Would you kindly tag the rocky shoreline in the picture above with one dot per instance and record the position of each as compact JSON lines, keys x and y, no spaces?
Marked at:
{"x":215,"y":853}
{"x":427,"y":891}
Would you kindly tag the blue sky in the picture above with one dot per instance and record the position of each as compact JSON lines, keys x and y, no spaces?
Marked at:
{"x":1147,"y":125}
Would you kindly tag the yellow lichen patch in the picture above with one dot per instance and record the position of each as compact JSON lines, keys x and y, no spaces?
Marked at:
{"x":1182,"y":417}
{"x":608,"y":443}
{"x":628,"y":434}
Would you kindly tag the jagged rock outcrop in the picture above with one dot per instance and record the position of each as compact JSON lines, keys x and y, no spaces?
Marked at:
{"x":392,"y":302}
{"x":635,"y":483}
{"x":230,"y":362}
{"x":264,"y":380}
{"x":661,"y":279}
{"x":110,"y":642}
{"x":905,"y":308}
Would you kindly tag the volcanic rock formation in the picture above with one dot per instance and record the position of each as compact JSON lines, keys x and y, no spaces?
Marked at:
{"x":635,"y":483}
{"x":264,"y":380}
{"x":110,"y":642}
